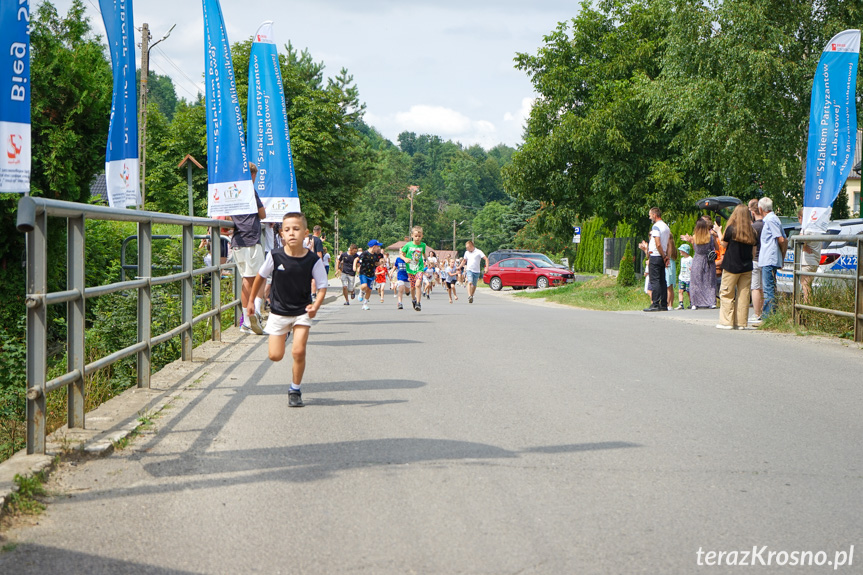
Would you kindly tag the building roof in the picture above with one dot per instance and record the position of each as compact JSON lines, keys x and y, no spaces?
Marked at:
{"x":396,"y":246}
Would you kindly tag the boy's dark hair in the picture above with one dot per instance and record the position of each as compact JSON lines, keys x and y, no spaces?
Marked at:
{"x":353,"y":247}
{"x":298,"y":215}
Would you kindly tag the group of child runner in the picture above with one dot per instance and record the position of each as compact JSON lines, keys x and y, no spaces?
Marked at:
{"x":415,"y":271}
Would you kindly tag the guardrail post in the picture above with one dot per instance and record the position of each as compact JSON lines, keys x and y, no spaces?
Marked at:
{"x":75,"y":280}
{"x":216,"y":282}
{"x":858,"y":294}
{"x":238,"y":295}
{"x":145,"y":256}
{"x":37,"y":352}
{"x":795,"y":281}
{"x":188,"y":295}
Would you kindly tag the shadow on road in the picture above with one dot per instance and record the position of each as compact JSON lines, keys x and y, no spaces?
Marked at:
{"x":353,"y":342}
{"x":317,"y":462}
{"x":39,"y":559}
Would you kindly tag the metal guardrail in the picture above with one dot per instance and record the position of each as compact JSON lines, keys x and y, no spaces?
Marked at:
{"x":857,"y":277}
{"x":33,"y":216}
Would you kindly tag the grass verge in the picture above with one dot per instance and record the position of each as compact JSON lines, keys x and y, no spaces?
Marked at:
{"x":601,"y":293}
{"x":831,"y":296}
{"x":26,"y":500}
{"x":146,"y":422}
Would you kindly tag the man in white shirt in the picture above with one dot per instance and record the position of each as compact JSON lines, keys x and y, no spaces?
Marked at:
{"x":658,"y":251}
{"x":471,"y":266}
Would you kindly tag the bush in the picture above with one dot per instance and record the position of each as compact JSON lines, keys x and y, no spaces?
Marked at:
{"x":626,"y":274}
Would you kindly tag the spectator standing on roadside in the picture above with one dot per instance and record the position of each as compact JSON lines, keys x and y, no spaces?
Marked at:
{"x":739,"y":243}
{"x":773,"y":245}
{"x":702,"y":291}
{"x":657,"y":248}
{"x":326,"y":260}
{"x":756,"y":292}
{"x":671,"y":270}
{"x":472,"y":268}
{"x":249,"y":255}
{"x":685,"y":274}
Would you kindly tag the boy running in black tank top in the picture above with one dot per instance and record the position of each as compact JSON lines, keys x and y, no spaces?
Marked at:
{"x":291,"y":307}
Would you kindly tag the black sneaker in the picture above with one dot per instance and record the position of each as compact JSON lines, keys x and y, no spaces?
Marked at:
{"x":652,"y":308}
{"x":295,"y":398}
{"x":401,"y":306}
{"x":418,"y":306}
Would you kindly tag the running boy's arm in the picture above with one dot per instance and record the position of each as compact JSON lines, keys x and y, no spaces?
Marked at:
{"x":256,"y":286}
{"x":319,"y":274}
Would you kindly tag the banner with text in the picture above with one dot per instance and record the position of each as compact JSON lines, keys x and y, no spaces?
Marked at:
{"x":268,"y":140}
{"x":15,"y":96}
{"x":229,"y":190}
{"x":121,"y":156}
{"x":832,"y":129}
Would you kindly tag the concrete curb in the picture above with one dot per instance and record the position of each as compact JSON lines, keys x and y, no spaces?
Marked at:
{"x":120,"y":417}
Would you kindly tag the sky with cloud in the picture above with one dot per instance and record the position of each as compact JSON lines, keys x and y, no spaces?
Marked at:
{"x":444,"y":67}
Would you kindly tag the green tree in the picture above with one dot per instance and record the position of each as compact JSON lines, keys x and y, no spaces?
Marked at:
{"x":589,"y":145}
{"x":70,"y":101}
{"x":626,"y":272}
{"x":167,"y":145}
{"x":161,"y":92}
{"x":71,"y":87}
{"x":735,"y":89}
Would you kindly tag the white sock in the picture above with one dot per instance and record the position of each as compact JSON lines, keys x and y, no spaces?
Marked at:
{"x":294,"y":387}
{"x":258,"y":303}
{"x":245,"y":317}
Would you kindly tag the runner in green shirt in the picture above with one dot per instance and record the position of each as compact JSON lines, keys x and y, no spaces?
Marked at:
{"x":414,"y":254}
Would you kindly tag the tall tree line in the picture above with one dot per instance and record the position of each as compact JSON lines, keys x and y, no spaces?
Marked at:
{"x":453,"y":184}
{"x":660,"y":102}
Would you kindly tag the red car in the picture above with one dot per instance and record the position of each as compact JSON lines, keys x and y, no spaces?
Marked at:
{"x":521,"y":272}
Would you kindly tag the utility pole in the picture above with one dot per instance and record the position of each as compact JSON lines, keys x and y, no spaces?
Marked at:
{"x":453,"y":235}
{"x":145,"y":73}
{"x":145,"y":68}
{"x":336,"y":242}
{"x":453,"y":232}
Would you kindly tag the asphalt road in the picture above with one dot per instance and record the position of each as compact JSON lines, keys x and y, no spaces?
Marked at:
{"x":497,"y":437}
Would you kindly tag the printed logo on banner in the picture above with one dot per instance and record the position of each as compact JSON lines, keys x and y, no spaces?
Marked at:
{"x":16,"y":145}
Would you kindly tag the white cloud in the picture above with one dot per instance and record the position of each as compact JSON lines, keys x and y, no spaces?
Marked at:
{"x":523,"y":113}
{"x":439,"y":120}
{"x":433,"y":120}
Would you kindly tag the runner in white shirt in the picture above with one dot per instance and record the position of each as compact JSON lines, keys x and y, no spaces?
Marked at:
{"x":471,"y":266}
